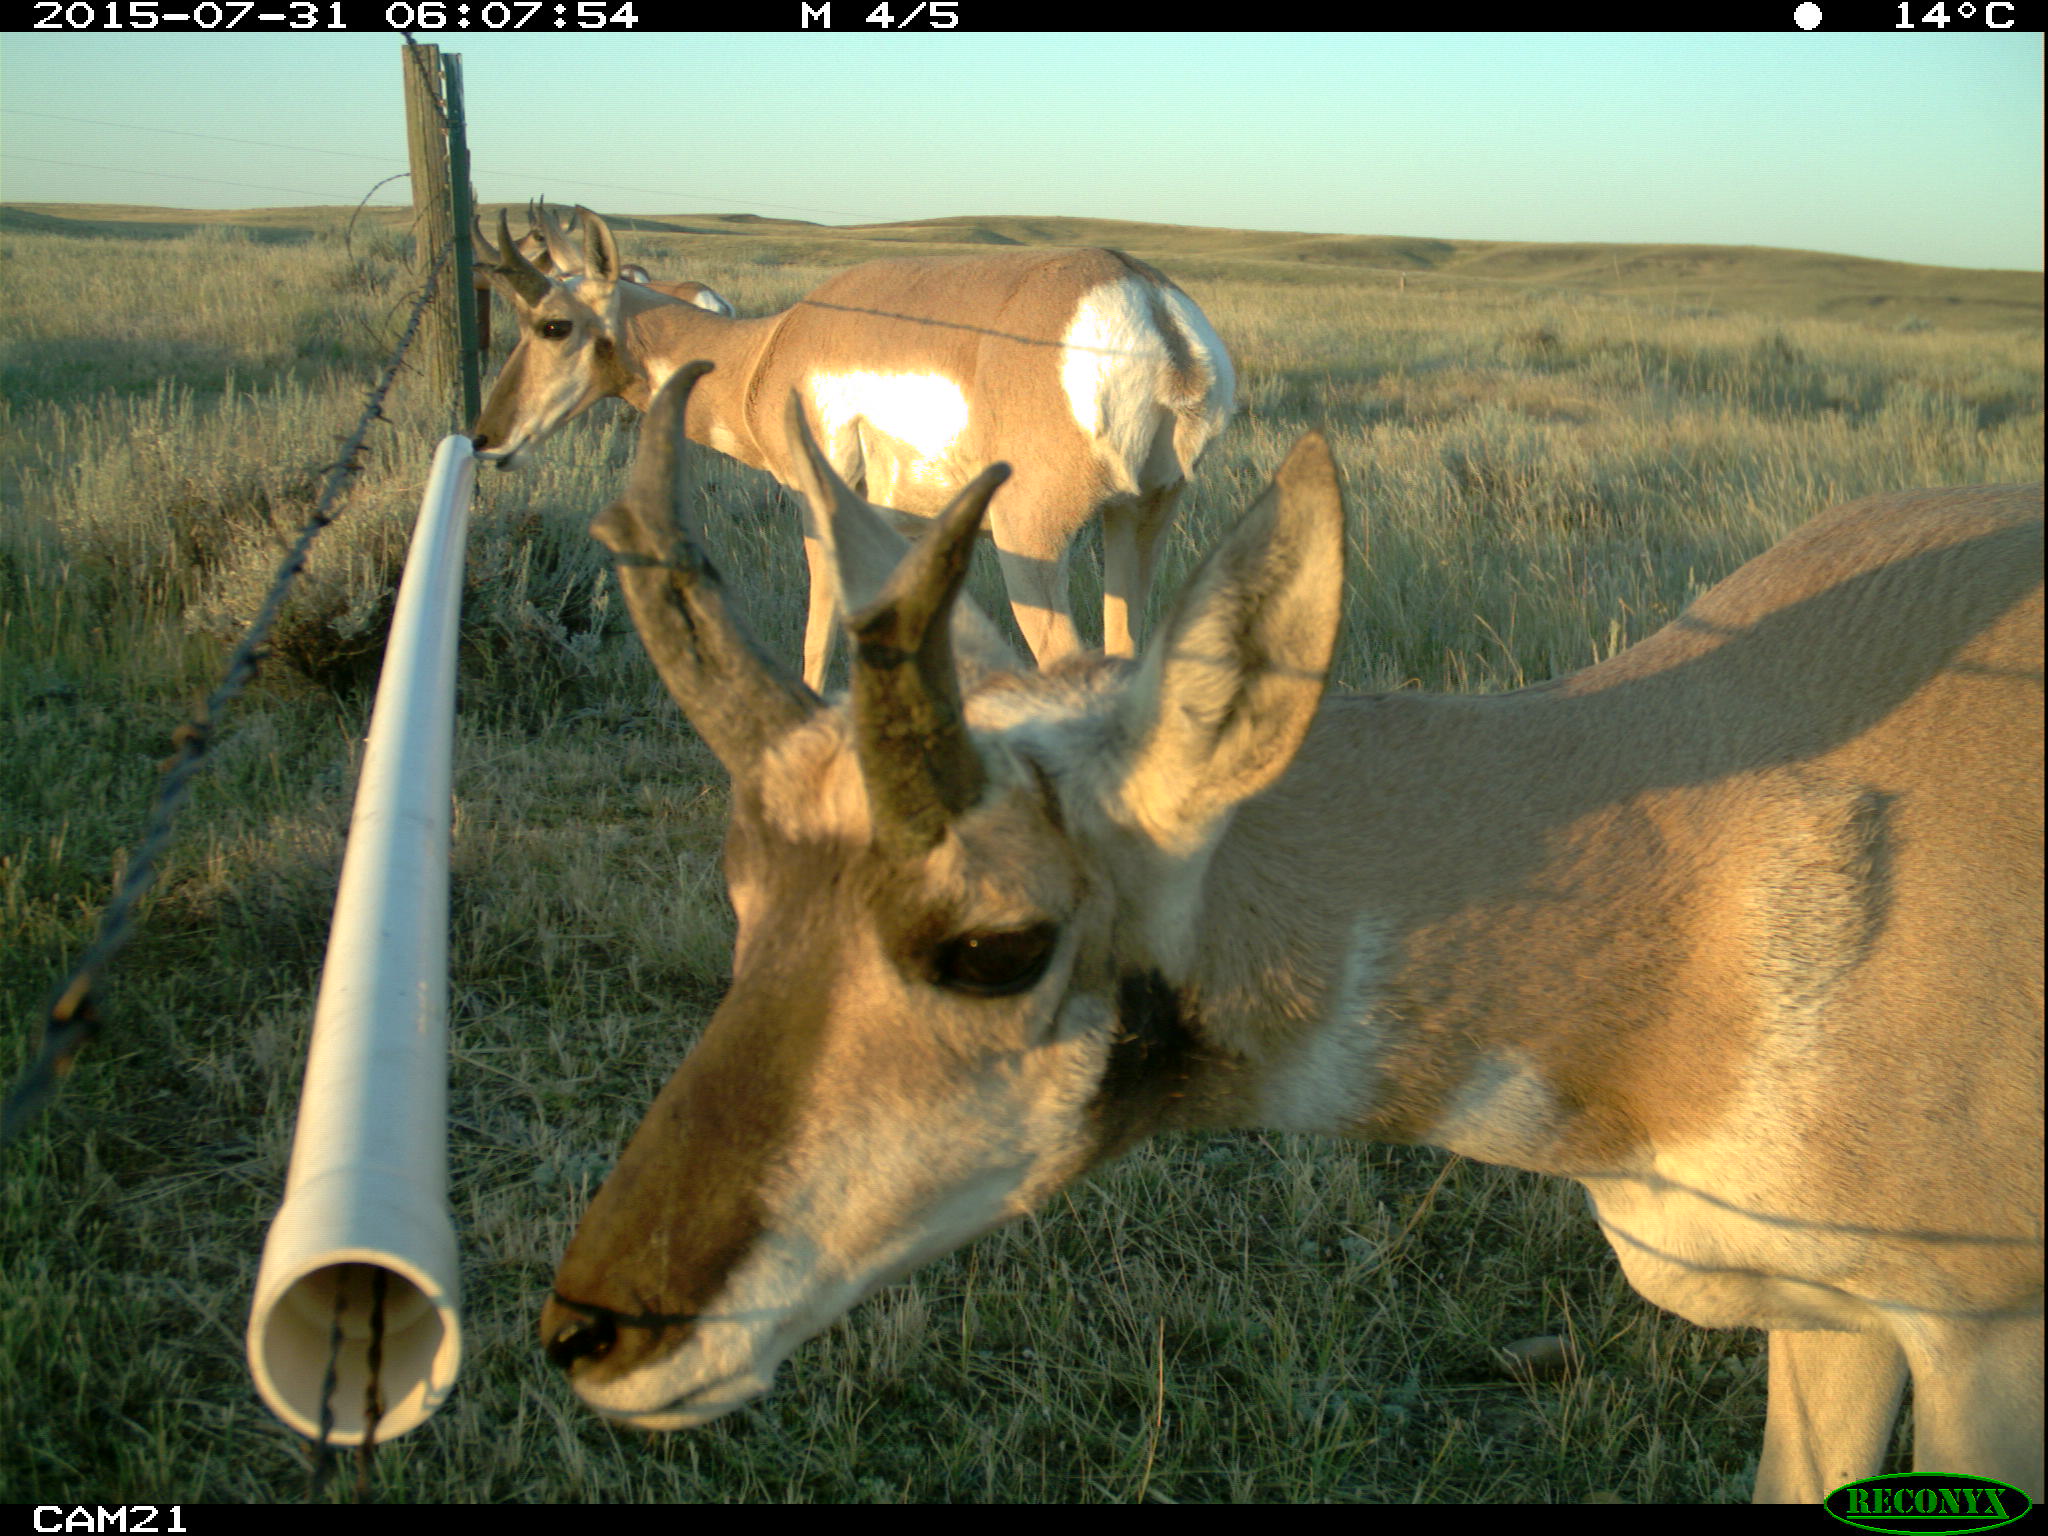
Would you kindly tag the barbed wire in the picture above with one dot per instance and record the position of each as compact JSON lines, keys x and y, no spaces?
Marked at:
{"x":430,"y":78}
{"x":73,"y":1017}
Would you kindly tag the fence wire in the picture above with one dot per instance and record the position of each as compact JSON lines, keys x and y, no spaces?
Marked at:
{"x":73,"y":1017}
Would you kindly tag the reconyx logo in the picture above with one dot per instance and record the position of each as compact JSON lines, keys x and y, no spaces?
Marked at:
{"x":1927,"y":1501}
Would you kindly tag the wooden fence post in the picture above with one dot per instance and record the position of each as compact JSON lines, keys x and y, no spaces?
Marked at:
{"x":471,"y":336}
{"x":451,"y":320}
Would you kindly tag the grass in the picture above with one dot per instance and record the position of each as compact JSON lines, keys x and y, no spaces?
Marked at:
{"x":1546,"y":466}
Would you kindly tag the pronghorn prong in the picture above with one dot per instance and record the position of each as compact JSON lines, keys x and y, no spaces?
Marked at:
{"x":561,"y":248}
{"x":519,"y":277}
{"x":864,"y":546}
{"x":920,"y":769}
{"x":486,"y":254}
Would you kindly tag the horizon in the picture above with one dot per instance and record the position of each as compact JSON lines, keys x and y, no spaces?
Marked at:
{"x":1799,"y":142}
{"x":114,"y":210}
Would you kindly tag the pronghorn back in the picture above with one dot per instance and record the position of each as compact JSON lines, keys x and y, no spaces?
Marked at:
{"x":1740,"y":929}
{"x":1116,"y":430}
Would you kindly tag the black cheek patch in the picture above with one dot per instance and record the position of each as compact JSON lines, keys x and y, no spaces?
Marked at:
{"x":1152,"y":1057}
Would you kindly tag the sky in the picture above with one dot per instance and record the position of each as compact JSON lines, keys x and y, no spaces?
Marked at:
{"x":1911,"y":146}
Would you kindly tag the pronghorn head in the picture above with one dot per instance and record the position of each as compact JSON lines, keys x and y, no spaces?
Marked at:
{"x":533,"y":245}
{"x":964,"y":893}
{"x":567,"y":357}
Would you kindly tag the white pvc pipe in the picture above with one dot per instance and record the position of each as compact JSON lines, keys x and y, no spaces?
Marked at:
{"x":368,"y":1187}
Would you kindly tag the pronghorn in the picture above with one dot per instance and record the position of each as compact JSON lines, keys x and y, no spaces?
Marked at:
{"x":1091,"y":372}
{"x":533,"y":245}
{"x":1740,"y":928}
{"x":484,"y":256}
{"x":547,"y":245}
{"x":703,"y":295}
{"x":567,"y":261}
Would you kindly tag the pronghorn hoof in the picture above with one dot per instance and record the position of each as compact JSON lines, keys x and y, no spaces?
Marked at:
{"x":1541,"y":1358}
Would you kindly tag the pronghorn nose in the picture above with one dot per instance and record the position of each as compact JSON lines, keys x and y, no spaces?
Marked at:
{"x":584,"y":1333}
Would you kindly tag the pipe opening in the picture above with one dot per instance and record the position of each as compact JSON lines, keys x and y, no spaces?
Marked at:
{"x":419,"y":1350}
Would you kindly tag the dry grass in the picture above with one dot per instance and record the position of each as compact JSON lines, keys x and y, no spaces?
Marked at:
{"x":1547,"y":473}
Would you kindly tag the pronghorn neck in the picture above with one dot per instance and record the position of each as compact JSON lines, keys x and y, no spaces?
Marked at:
{"x":1355,"y":964}
{"x":1483,"y":956}
{"x":1573,"y":927}
{"x":664,"y":335}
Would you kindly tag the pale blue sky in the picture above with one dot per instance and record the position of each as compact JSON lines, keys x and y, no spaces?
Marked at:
{"x":1919,"y":147}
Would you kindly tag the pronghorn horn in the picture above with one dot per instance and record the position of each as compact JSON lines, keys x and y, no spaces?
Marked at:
{"x":513,"y":270}
{"x":865,"y":552}
{"x":737,"y":698}
{"x":908,"y":728}
{"x":561,"y":249}
{"x":600,"y":250}
{"x":486,"y":253}
{"x":866,"y":546}
{"x":534,"y":242}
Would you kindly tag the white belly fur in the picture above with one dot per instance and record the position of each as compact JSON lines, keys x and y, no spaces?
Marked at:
{"x":895,"y":435}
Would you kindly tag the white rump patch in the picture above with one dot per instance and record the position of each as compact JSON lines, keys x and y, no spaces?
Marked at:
{"x":1117,"y":372}
{"x":894,"y":434}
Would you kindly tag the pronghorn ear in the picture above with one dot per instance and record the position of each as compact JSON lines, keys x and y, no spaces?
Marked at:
{"x":863,"y":551}
{"x":600,"y":250}
{"x":1227,"y":687}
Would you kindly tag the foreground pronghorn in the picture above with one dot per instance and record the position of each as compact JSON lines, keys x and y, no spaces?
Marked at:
{"x":1740,"y":928}
{"x":1094,"y":375}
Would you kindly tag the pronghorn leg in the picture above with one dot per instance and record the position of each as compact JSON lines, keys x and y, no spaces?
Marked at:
{"x":1977,"y":1400}
{"x":1130,"y":544}
{"x":1035,"y":573}
{"x":821,"y":621}
{"x":1834,"y":1398}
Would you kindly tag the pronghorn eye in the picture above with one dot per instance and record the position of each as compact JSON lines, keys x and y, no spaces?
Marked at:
{"x":995,"y":964}
{"x":555,"y":330}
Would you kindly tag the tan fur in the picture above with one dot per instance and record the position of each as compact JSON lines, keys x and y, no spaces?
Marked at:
{"x":1741,"y":929}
